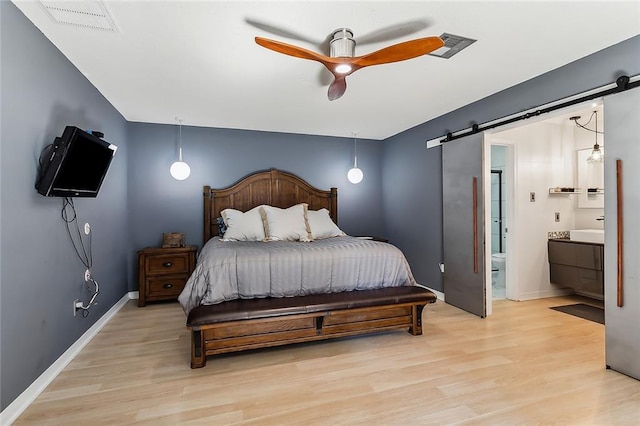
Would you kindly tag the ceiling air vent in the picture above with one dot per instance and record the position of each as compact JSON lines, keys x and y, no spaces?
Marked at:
{"x":452,"y":45}
{"x":88,"y":14}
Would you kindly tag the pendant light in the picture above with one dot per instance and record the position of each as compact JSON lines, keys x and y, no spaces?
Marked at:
{"x":355,"y":175}
{"x":596,"y":155}
{"x":179,"y":169}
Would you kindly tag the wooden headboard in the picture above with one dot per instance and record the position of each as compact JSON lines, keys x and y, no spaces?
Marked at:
{"x":272,"y":187}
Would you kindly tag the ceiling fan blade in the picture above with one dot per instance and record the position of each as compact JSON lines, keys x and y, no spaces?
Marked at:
{"x":291,"y":50}
{"x":394,"y":31}
{"x":400,"y":52}
{"x":337,"y":88}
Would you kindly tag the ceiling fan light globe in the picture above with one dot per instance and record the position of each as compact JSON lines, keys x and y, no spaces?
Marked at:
{"x":180,"y":170}
{"x":355,"y":175}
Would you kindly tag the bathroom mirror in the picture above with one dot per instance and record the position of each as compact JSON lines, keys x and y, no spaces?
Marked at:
{"x":590,"y":181}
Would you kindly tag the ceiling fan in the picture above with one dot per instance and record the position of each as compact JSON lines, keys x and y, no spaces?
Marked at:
{"x":342,"y":61}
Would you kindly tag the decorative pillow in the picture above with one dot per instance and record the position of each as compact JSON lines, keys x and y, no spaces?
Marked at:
{"x":321,"y":225}
{"x":241,"y":226}
{"x":285,"y":224}
{"x":222,"y":227}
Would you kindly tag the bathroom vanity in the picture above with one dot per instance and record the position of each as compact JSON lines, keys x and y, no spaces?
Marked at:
{"x":578,"y":265}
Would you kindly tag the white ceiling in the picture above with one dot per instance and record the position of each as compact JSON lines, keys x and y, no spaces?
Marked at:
{"x":198,"y":60}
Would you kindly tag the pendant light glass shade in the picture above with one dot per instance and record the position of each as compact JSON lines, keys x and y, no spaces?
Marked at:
{"x":596,"y":155}
{"x":355,"y":175}
{"x":180,"y":170}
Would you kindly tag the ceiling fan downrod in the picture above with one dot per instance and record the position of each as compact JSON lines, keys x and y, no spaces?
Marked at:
{"x":342,"y":44}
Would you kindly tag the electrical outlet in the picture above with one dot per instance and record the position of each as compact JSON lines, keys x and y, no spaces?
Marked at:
{"x":77,"y":305}
{"x":557,"y":216}
{"x":532,"y":197}
{"x":87,"y":228}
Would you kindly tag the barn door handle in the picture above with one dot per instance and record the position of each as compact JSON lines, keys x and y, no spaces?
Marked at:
{"x":620,"y":298}
{"x":475,"y":225}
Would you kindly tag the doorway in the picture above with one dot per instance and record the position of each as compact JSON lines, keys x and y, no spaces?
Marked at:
{"x":498,"y":220}
{"x":530,"y":160}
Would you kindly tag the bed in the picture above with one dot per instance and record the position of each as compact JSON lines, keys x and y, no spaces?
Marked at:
{"x":254,"y":294}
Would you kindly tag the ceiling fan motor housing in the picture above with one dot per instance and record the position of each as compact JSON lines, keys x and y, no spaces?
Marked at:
{"x":342,"y":44}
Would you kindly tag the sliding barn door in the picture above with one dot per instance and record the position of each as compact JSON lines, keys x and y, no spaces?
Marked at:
{"x":622,"y":232}
{"x":463,"y":224}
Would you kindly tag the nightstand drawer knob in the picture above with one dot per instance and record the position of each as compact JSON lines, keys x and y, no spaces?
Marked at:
{"x":167,"y":264}
{"x":167,"y":286}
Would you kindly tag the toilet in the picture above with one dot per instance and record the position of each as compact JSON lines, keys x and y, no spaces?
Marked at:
{"x":498,"y":268}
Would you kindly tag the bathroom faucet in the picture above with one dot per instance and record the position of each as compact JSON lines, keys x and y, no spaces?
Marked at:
{"x":600,"y":218}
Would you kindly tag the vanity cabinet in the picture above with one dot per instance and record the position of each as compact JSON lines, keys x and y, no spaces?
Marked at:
{"x":577,"y":265}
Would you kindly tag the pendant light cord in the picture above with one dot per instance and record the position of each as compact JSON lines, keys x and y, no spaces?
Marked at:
{"x":355,"y":150}
{"x":584,"y":126}
{"x":179,"y":139}
{"x":596,"y":114}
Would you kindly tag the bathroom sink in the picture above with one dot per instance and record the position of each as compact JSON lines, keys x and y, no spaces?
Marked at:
{"x":587,"y":235}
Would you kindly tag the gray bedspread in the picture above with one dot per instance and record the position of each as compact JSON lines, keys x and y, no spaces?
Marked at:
{"x":229,"y":270}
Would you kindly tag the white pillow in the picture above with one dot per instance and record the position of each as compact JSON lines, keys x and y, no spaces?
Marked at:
{"x":243,"y":226}
{"x":321,"y":225}
{"x":285,"y":224}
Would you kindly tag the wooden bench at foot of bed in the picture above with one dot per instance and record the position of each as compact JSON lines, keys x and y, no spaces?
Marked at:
{"x":243,"y":324}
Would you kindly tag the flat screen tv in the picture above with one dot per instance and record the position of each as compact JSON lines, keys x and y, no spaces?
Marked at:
{"x":75,"y":164}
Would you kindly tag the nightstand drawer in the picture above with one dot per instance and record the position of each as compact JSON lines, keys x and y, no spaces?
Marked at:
{"x":175,"y":263}
{"x":163,"y":272}
{"x":165,"y":286}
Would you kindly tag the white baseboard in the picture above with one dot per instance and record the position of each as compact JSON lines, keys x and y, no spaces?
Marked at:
{"x":134,"y":295}
{"x":544,"y":294}
{"x":17,"y":407}
{"x":439,"y":294}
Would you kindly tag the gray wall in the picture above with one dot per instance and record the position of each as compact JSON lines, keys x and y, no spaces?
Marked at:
{"x":412,"y":184}
{"x":41,"y":93}
{"x":220,"y":157}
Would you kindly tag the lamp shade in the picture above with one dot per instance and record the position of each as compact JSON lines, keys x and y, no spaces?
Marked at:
{"x":596,"y":155}
{"x":180,"y":170}
{"x":355,"y":175}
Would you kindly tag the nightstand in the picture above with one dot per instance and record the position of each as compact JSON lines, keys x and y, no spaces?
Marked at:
{"x":163,"y":272}
{"x":383,"y":240}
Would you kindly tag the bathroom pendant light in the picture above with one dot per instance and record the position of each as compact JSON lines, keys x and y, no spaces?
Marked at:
{"x":596,"y":155}
{"x":355,"y":175}
{"x":179,"y":169}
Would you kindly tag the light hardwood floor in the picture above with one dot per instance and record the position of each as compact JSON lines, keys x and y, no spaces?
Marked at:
{"x":526,"y":364}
